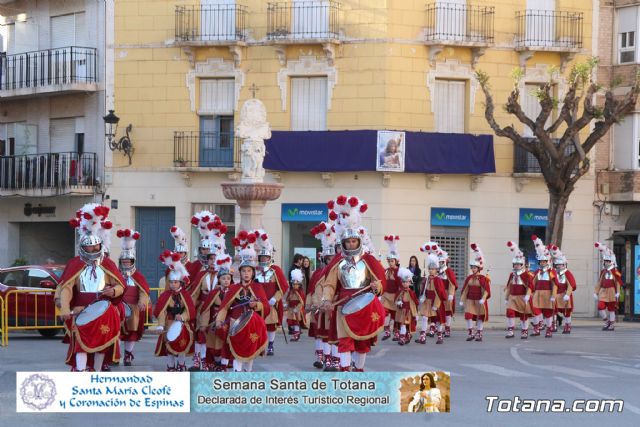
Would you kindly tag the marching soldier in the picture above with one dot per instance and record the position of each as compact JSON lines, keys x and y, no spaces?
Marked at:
{"x":607,"y":291}
{"x":518,"y":293}
{"x":545,"y":286}
{"x":406,"y":303}
{"x":475,"y":293}
{"x":432,"y":294}
{"x":566,"y":287}
{"x":294,"y":304}
{"x":393,"y":286}
{"x":448,"y":276}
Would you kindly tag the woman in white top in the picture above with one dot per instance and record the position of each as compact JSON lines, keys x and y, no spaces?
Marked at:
{"x":428,"y":398}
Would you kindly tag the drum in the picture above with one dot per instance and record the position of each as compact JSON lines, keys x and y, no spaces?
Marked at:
{"x":97,"y":325}
{"x":363,"y":316}
{"x":247,"y":336}
{"x":92,"y":312}
{"x":179,"y":337}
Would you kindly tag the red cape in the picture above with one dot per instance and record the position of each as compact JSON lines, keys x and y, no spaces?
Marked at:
{"x":315,"y":278}
{"x":164,"y":298}
{"x":484,"y":283}
{"x":451,"y":275}
{"x":140,"y":281}
{"x":526,"y":279}
{"x":571,"y":280}
{"x":75,"y":266}
{"x":257,"y":290}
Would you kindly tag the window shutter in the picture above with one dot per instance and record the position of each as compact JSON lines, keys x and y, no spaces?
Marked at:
{"x":308,"y":103}
{"x":217,"y":96}
{"x":62,"y":135}
{"x":63,"y":30}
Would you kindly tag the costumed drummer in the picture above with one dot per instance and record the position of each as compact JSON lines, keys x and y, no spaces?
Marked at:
{"x":406,"y":303}
{"x":393,"y":286}
{"x":244,"y":308}
{"x":180,"y":246}
{"x":545,"y":285}
{"x":607,"y":290}
{"x":518,"y":293}
{"x":174,"y":311}
{"x":566,"y":287}
{"x":91,"y":281}
{"x":218,"y":354}
{"x":432,"y":294}
{"x":136,"y":294}
{"x":294,"y":304}
{"x":475,"y":293}
{"x":320,"y":320}
{"x":359,"y":315}
{"x":274,"y":283}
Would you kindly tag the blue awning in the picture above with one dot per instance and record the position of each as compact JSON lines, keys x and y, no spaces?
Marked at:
{"x":355,"y":150}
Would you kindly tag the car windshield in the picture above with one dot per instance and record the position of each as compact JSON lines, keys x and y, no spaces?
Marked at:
{"x":57,"y":272}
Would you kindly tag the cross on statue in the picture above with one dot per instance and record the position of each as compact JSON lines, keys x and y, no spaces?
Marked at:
{"x":253,"y":89}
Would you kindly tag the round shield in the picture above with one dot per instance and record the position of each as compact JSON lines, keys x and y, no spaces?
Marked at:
{"x":174,"y":331}
{"x":240,"y":323}
{"x":92,"y":312}
{"x":357,"y":303}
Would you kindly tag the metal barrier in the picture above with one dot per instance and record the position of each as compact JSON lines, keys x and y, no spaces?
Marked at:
{"x":26,"y":314}
{"x":3,"y":331}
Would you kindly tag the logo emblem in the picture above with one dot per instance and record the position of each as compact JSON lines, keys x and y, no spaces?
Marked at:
{"x":38,"y":391}
{"x":293,"y":212}
{"x":440,"y":216}
{"x":528,"y":216}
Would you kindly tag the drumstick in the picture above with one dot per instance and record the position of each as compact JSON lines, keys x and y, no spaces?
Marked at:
{"x":351,"y":296}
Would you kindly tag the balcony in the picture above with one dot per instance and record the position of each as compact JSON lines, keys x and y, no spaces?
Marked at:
{"x":48,"y":174}
{"x":548,"y":30}
{"x":525,"y":162}
{"x":197,"y":150}
{"x":51,"y":71}
{"x":619,"y":185}
{"x":211,"y":25}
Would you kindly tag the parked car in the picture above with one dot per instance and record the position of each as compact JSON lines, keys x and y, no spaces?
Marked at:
{"x":22,"y":312}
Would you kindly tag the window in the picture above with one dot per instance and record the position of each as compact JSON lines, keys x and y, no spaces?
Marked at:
{"x":627,"y":26}
{"x":18,"y":139}
{"x":308,"y":103}
{"x":216,"y":141}
{"x":627,"y":47}
{"x":62,"y":134}
{"x":217,"y":96}
{"x":450,"y":106}
{"x":36,"y":276}
{"x":626,"y":141}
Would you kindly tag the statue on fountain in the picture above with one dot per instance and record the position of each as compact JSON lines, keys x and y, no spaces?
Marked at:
{"x":253,"y":129}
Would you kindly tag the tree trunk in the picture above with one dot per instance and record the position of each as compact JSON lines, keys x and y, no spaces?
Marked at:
{"x":555,"y":225}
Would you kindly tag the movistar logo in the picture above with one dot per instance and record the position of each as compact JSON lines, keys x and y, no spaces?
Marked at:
{"x":532,"y":217}
{"x":293,"y":212}
{"x":443,"y":216}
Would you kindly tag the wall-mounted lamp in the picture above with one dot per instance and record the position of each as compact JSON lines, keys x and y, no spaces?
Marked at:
{"x":124,"y":144}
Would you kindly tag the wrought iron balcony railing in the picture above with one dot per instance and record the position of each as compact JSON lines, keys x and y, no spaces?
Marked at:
{"x":453,"y":23}
{"x":38,"y":69}
{"x":548,"y":29}
{"x":299,"y":21}
{"x":525,"y":162}
{"x":206,"y":149}
{"x":48,"y":171}
{"x":215,"y":24}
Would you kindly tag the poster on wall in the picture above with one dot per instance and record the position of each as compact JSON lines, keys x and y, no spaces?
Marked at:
{"x":390,"y":149}
{"x":309,"y":253}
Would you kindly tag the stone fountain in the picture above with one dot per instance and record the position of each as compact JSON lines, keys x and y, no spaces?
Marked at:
{"x":252,"y":193}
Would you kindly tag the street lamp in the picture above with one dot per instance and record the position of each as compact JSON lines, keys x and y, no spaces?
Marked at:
{"x":110,"y":128}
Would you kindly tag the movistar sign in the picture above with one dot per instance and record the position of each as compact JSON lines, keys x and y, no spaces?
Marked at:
{"x":304,"y":212}
{"x":534,"y":217}
{"x":451,"y":217}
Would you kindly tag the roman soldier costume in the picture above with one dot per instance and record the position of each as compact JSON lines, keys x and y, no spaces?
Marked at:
{"x":448,"y":276}
{"x":393,"y":285}
{"x":136,"y":294}
{"x":432,"y":294}
{"x":181,"y":246}
{"x":518,"y":293}
{"x":545,"y":287}
{"x":607,"y":290}
{"x":475,"y":293}
{"x":359,"y":315}
{"x":175,"y":310}
{"x":89,"y":291}
{"x":274,"y":282}
{"x":406,"y":303}
{"x":566,"y":287}
{"x":244,"y":308}
{"x":294,"y":304}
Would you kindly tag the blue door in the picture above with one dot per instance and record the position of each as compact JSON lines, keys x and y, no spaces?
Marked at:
{"x":153,"y":224}
{"x":216,"y":141}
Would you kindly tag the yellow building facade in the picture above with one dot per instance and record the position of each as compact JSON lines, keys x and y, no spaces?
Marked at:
{"x":181,"y":71}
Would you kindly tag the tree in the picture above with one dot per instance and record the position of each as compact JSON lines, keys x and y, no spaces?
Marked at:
{"x":563,"y":161}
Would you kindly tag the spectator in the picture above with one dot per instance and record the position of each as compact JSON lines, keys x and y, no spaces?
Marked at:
{"x":306,"y":272}
{"x":297,"y":263}
{"x":414,"y":267}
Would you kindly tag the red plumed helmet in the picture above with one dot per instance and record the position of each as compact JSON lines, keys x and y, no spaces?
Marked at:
{"x":353,"y":202}
{"x":135,"y":235}
{"x":364,"y":208}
